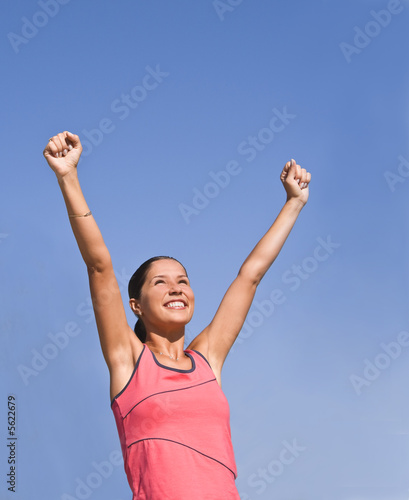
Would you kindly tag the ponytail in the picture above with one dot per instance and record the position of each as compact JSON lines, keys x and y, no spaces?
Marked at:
{"x":140,"y":331}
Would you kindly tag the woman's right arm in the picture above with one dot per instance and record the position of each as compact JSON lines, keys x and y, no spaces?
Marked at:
{"x":119,"y":344}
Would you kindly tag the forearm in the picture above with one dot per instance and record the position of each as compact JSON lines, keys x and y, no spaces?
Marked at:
{"x":85,"y":229}
{"x":270,"y":245}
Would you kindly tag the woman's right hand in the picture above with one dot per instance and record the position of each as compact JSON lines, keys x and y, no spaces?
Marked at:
{"x":62,"y":153}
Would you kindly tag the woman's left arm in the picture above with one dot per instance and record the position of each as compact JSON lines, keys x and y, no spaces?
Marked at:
{"x":216,"y":340}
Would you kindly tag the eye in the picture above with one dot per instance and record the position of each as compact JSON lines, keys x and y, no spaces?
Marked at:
{"x":186,"y":282}
{"x":158,"y":281}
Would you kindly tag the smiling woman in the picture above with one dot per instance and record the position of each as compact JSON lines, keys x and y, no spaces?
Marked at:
{"x":172,"y":417}
{"x":179,"y":276}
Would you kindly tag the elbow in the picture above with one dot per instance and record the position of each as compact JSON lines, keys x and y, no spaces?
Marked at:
{"x":99,"y":265}
{"x":250,"y":275}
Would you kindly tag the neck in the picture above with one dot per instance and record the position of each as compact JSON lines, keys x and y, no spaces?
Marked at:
{"x":172,"y":347}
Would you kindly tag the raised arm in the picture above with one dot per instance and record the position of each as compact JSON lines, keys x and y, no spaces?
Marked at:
{"x":119,"y":343}
{"x":218,"y":337}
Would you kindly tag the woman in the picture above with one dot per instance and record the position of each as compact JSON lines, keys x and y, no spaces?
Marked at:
{"x":171,"y":414}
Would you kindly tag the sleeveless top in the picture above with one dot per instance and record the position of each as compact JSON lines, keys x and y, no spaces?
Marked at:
{"x":174,"y":429}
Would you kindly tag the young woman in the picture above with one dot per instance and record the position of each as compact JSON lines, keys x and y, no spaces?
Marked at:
{"x":171,"y":414}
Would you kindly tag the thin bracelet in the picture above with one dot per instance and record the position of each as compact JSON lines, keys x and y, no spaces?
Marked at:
{"x":85,"y":215}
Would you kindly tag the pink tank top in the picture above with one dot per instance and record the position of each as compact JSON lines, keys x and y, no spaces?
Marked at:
{"x":174,"y":429}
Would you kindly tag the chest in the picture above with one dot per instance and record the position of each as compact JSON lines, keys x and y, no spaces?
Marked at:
{"x":183,"y":363}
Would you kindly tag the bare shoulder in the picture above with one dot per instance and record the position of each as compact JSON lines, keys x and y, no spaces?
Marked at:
{"x":123,"y":364}
{"x":201,"y":345}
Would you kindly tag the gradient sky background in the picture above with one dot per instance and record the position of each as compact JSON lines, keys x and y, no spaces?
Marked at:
{"x":288,"y":378}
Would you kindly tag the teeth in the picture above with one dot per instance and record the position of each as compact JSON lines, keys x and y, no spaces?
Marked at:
{"x":175,"y":304}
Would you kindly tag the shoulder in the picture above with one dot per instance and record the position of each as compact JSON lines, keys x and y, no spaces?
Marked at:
{"x":199,"y":355}
{"x":123,"y":366}
{"x":202,"y":352}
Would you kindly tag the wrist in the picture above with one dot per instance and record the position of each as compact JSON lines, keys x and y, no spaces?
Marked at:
{"x":295,"y":202}
{"x":67,"y":178}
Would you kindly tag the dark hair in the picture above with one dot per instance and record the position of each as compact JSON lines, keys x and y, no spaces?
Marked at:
{"x":135,"y":286}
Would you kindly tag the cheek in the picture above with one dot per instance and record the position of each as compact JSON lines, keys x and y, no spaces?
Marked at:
{"x":152,"y":301}
{"x":146,"y":302}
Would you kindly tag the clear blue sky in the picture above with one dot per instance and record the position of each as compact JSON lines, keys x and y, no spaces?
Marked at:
{"x":189,"y":111}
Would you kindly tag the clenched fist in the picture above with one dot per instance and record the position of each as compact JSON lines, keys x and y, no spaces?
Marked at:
{"x":62,"y":153}
{"x":295,"y":180}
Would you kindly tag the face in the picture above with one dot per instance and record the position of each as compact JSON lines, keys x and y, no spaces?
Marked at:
{"x":166,"y":300}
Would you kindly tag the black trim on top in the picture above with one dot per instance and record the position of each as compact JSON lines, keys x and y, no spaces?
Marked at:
{"x":200,"y":354}
{"x":164,"y":392}
{"x":130,"y":378}
{"x":176,"y":369}
{"x":182,"y":444}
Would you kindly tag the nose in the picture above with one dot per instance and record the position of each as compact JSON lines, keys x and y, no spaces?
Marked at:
{"x":175,"y":289}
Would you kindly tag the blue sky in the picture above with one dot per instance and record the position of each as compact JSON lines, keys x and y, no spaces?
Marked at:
{"x":175,"y":100}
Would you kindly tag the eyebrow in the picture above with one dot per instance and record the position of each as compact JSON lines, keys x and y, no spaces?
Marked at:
{"x":165,"y":275}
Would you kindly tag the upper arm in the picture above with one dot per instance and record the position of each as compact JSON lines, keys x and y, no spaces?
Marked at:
{"x":216,"y":340}
{"x":119,"y":344}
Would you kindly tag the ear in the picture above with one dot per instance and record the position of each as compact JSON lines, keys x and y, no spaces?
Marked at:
{"x":136,"y":308}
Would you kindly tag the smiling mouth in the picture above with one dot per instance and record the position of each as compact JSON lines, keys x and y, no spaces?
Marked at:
{"x":176,"y":304}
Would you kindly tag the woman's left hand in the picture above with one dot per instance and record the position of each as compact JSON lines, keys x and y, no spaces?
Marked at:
{"x":295,"y":181}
